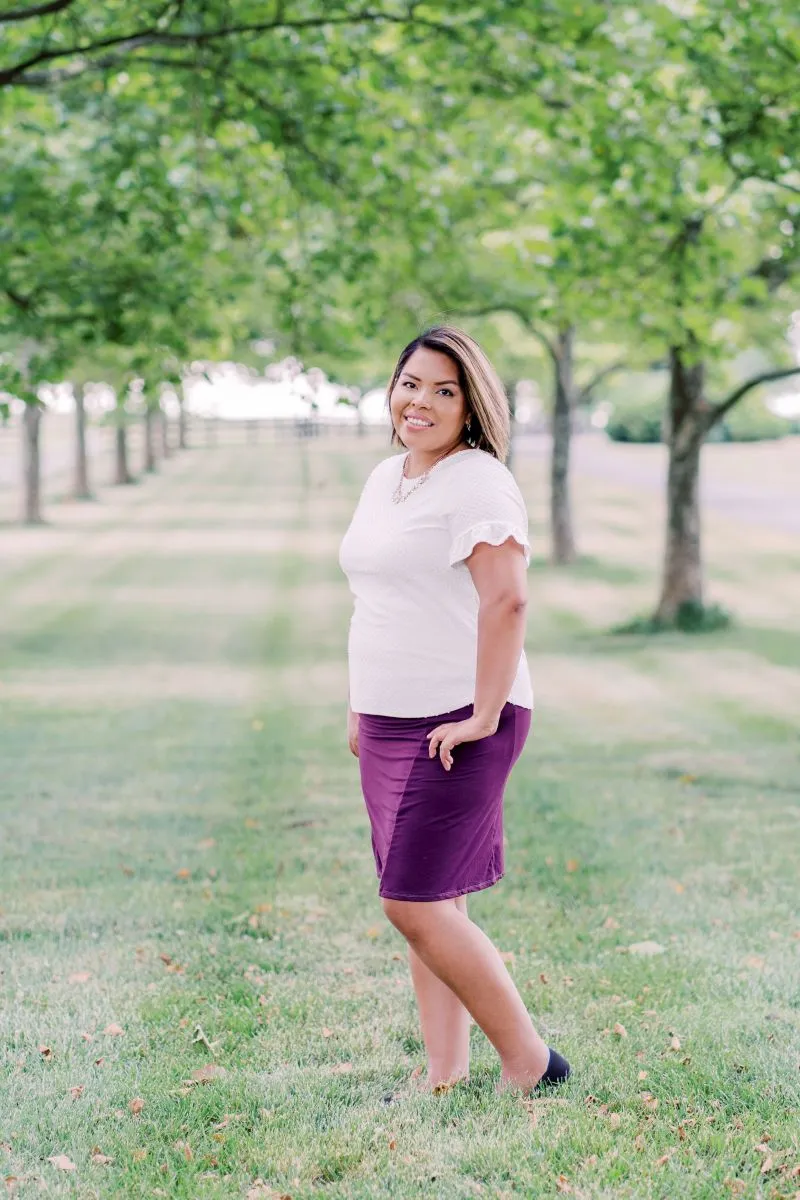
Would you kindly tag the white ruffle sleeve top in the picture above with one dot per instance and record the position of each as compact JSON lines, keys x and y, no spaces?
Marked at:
{"x":413,"y":638}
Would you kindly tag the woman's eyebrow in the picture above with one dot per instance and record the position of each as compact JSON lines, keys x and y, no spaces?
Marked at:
{"x":441,"y":382}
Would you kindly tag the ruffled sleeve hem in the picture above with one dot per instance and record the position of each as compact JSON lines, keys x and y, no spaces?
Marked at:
{"x":493,"y":532}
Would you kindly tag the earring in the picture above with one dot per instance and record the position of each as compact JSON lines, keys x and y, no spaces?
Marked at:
{"x":470,"y":439}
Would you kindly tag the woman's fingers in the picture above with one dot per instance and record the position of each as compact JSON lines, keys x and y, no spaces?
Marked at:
{"x":443,"y":740}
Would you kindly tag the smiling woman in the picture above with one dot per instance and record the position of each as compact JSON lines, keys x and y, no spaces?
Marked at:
{"x":440,"y":692}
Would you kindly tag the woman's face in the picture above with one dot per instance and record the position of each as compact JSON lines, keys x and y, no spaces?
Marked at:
{"x":428,"y":407}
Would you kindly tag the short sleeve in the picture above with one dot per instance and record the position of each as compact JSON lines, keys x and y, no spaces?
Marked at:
{"x":489,"y":508}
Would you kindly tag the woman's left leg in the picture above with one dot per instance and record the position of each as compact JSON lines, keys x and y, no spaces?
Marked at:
{"x":444,"y":1020}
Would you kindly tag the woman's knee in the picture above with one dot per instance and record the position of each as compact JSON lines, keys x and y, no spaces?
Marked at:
{"x":406,"y":915}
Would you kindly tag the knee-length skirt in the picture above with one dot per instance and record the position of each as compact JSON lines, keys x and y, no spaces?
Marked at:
{"x":436,"y":833}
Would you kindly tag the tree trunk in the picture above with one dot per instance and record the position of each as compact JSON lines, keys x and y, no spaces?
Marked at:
{"x":81,"y":490}
{"x":31,"y":423}
{"x":149,"y":439}
{"x":682,"y":580}
{"x":561,"y":530}
{"x":183,"y":440}
{"x":166,"y":448}
{"x":122,"y":473}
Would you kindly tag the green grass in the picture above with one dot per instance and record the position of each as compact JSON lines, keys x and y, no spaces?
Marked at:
{"x":186,"y":856}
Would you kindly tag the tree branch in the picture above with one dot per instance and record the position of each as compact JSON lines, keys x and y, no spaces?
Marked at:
{"x":515,"y":310}
{"x":586,"y":391}
{"x":39,"y":10}
{"x":153,"y":36}
{"x":718,"y":411}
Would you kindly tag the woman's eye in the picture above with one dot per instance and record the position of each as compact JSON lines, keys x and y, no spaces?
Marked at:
{"x":446,"y":391}
{"x":408,"y":383}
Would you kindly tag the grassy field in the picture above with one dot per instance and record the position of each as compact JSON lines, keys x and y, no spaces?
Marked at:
{"x":200,"y":994}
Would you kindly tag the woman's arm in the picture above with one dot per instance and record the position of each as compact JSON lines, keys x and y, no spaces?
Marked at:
{"x":498,"y":573}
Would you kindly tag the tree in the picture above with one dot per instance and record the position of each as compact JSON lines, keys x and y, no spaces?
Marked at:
{"x":699,"y":146}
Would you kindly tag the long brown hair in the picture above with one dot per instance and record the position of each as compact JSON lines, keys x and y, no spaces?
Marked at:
{"x":486,"y":400}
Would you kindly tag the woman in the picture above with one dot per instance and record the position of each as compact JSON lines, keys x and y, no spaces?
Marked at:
{"x":440,"y":694}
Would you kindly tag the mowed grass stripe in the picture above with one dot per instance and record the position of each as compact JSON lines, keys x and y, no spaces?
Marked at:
{"x":188,"y":859}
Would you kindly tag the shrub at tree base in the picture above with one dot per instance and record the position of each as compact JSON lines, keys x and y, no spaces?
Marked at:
{"x":637,"y":422}
{"x":690,"y":617}
{"x":753,"y":422}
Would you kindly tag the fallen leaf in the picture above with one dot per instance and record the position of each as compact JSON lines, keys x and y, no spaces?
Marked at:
{"x":687,"y":778}
{"x":563,"y":1184}
{"x":544,"y":978}
{"x":572,"y":864}
{"x":508,"y":956}
{"x":208,"y":1072}
{"x":87,"y":1037}
{"x":674,"y":1043}
{"x":185,"y":1148}
{"x":262,"y":908}
{"x":46,"y":1053}
{"x":62,"y":1162}
{"x":79,"y":977}
{"x":77,"y":1091}
{"x":98,"y":1062}
{"x":766,"y":1165}
{"x":397,"y":957}
{"x":136,"y":1105}
{"x":615,"y":1120}
{"x":139,"y":1154}
{"x":206,"y":843}
{"x":646,"y":948}
{"x":638,"y":1142}
{"x":755,"y":961}
{"x":620,"y":1030}
{"x":114,"y":1030}
{"x":251,"y":823}
{"x":127,"y":871}
{"x":166,"y":959}
{"x":342,"y":1068}
{"x":102,"y":1160}
{"x":568,"y":980}
{"x":642,"y":1075}
{"x":392,"y":1143}
{"x":373,"y":932}
{"x":664,"y":1158}
{"x":650,"y":1101}
{"x":610,"y":923}
{"x":326,"y":1033}
{"x":549,"y":860}
{"x":183,"y":873}
{"x":348,"y":970}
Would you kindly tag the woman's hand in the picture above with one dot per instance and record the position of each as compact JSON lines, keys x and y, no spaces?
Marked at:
{"x":444,"y":737}
{"x":352,"y":731}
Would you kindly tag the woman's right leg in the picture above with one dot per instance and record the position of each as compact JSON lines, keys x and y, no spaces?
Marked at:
{"x":444,"y":1021}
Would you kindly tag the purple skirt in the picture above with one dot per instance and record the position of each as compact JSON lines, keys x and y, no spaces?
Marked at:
{"x":435,"y":833}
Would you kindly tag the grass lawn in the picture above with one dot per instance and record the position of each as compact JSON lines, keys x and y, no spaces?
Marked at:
{"x":200,"y":996}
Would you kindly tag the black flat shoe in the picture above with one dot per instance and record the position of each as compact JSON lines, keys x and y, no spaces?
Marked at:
{"x":558,"y":1070}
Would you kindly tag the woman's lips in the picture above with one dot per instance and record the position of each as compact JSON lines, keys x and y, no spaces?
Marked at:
{"x":418,"y":423}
